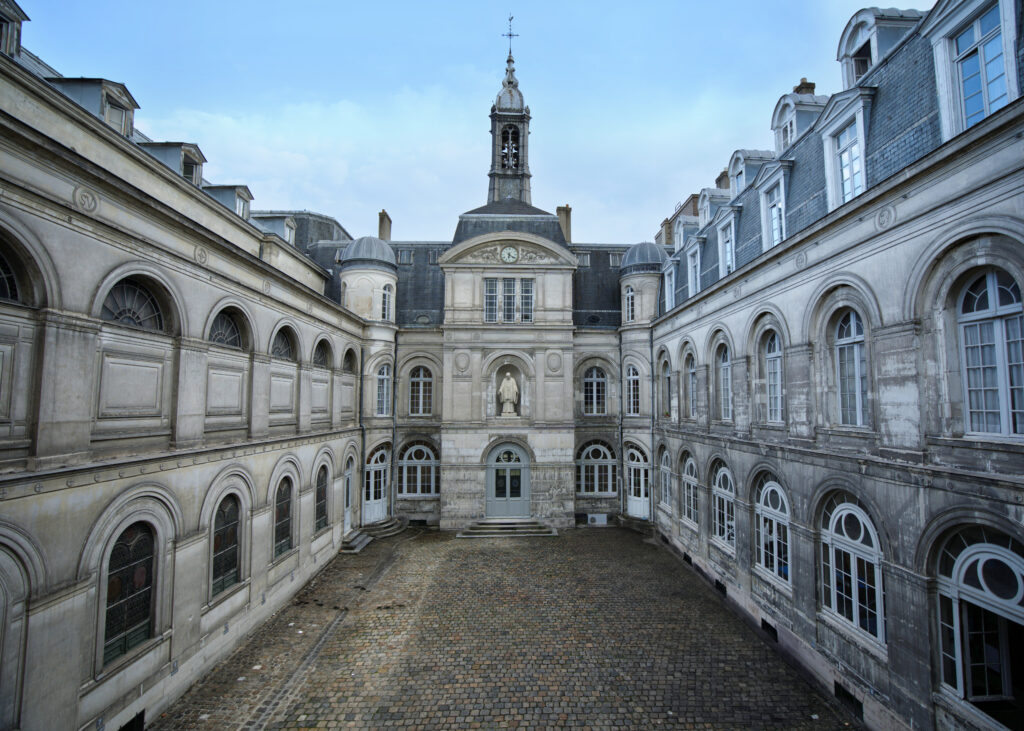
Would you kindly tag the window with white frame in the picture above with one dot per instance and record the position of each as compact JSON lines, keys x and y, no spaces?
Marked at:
{"x":384,"y":390}
{"x":385,"y":302}
{"x":691,"y":386}
{"x":678,"y":234}
{"x":596,"y":469}
{"x":693,"y":270}
{"x":666,"y":390}
{"x":726,"y":249}
{"x":637,"y":476}
{"x":375,"y":474}
{"x":771,"y":527}
{"x":418,"y":470}
{"x":526,"y":300}
{"x":772,"y":354}
{"x":665,"y":482}
{"x":670,"y":288}
{"x":848,"y":162}
{"x":724,"y":382}
{"x":632,"y":391}
{"x":851,"y":370}
{"x":241,"y":207}
{"x":118,"y":117}
{"x":595,"y":387}
{"x":723,"y":507}
{"x":774,"y":207}
{"x":737,"y":181}
{"x":991,"y":328}
{"x":421,"y":391}
{"x":689,"y":488}
{"x":851,"y":562}
{"x":289,"y":232}
{"x":490,"y":300}
{"x":981,"y":66}
{"x":508,"y":300}
{"x":630,"y":304}
{"x":980,"y":577}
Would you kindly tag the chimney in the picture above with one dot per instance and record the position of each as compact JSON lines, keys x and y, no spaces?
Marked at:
{"x":722,"y":181}
{"x":666,"y":233}
{"x":384,"y":226}
{"x":565,"y":221}
{"x":804,"y":87}
{"x":690,"y":205}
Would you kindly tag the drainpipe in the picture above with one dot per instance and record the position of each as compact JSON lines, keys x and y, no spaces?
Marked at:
{"x":361,"y":369}
{"x":622,"y":461}
{"x":654,"y":381}
{"x":394,"y":424}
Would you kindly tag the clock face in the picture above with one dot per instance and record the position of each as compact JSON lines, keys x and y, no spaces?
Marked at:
{"x":509,"y":254}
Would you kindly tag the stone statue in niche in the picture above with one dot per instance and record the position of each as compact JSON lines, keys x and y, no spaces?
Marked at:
{"x":508,"y":394}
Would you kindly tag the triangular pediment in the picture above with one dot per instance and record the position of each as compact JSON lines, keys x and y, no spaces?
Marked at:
{"x":519,"y":249}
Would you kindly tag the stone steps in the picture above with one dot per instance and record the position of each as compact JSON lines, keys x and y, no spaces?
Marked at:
{"x":355,"y":542}
{"x":639,"y":525}
{"x":385,"y":528}
{"x":506,"y":528}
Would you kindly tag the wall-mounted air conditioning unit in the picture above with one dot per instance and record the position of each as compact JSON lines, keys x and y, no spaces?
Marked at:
{"x":597,"y":519}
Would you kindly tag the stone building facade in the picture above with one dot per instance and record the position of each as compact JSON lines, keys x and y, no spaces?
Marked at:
{"x":810,"y":385}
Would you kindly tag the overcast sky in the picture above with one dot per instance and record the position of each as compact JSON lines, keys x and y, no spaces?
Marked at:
{"x":345,"y":108}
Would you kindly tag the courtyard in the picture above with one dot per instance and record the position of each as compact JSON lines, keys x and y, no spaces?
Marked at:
{"x":595,"y":628}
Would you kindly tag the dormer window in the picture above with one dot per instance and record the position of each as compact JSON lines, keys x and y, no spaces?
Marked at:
{"x":737,"y":183}
{"x":289,"y":233}
{"x":726,"y":249}
{"x":705,"y":213}
{"x":861,"y":61}
{"x":241,"y":207}
{"x":118,"y":117}
{"x":191,"y":169}
{"x":10,"y":30}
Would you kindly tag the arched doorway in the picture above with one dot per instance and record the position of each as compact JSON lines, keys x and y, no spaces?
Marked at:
{"x":637,"y":483}
{"x":508,"y":482}
{"x":375,"y":485}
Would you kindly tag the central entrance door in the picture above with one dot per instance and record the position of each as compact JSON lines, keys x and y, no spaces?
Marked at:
{"x":508,"y":483}
{"x":375,"y":486}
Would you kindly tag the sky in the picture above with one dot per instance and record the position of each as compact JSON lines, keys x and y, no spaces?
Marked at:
{"x":346,"y":108}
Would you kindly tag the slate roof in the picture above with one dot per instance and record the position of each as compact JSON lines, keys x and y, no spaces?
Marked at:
{"x":508,"y":215}
{"x":595,"y":288}
{"x":420,"y":292}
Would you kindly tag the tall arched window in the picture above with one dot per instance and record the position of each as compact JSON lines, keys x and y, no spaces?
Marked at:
{"x":771,"y":527}
{"x":350,"y":468}
{"x":690,"y":514}
{"x":723,"y":507}
{"x":418,"y":470}
{"x":594,"y":390}
{"x":773,"y":376}
{"x":665,"y":496}
{"x":691,"y":386}
{"x":851,"y":370}
{"x":8,"y":281}
{"x":637,"y":477}
{"x":724,"y":383}
{"x":992,"y":354}
{"x":225,"y":330}
{"x":129,"y":614}
{"x":322,"y":355}
{"x":630,"y":305}
{"x":129,"y":302}
{"x":851,"y":558}
{"x":384,"y":390}
{"x":283,"y":517}
{"x":283,"y":346}
{"x":666,"y":390}
{"x":385,"y":302}
{"x":595,"y":469}
{"x":421,"y":391}
{"x":510,"y":147}
{"x":225,"y":545}
{"x":980,"y":576}
{"x":320,"y":499}
{"x":632,"y":391}
{"x":348,"y":364}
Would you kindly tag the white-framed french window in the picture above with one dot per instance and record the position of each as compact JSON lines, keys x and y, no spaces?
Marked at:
{"x":723,"y":367}
{"x":665,"y":482}
{"x":843,"y":128}
{"x":771,"y":528}
{"x":629,"y":305}
{"x":241,"y":207}
{"x":726,"y":247}
{"x":693,"y":270}
{"x":773,"y":206}
{"x":632,"y":391}
{"x":689,"y":514}
{"x":678,"y":235}
{"x":691,"y":386}
{"x":421,"y":391}
{"x":385,"y":302}
{"x":974,"y":49}
{"x":526,"y":300}
{"x":384,"y":390}
{"x":723,"y":508}
{"x":851,"y":370}
{"x":418,"y":470}
{"x":490,"y":300}
{"x":596,"y":469}
{"x":773,"y":376}
{"x":595,"y":384}
{"x":670,"y":286}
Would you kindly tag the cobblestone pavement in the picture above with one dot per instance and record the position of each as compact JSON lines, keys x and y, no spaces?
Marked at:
{"x":593,"y":629}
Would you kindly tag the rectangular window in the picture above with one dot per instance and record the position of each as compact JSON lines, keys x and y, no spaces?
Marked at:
{"x":526,"y":300}
{"x":405,"y":256}
{"x":851,"y":174}
{"x":117,"y":117}
{"x":690,"y":502}
{"x":773,"y":368}
{"x":670,"y":289}
{"x":725,"y":390}
{"x":726,"y":250}
{"x":693,"y":271}
{"x":776,"y":216}
{"x":190,"y":170}
{"x":584,"y":258}
{"x":692,"y":391}
{"x":981,"y":67}
{"x":490,"y":300}
{"x":852,"y":383}
{"x":432,"y":256}
{"x":615,"y":260}
{"x":241,"y":206}
{"x":508,"y":300}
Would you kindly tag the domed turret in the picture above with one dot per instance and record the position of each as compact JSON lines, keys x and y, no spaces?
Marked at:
{"x":642,"y":257}
{"x":369,"y":277}
{"x":368,"y":251}
{"x":510,"y":99}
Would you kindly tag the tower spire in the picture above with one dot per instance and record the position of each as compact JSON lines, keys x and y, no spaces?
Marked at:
{"x":510,"y":35}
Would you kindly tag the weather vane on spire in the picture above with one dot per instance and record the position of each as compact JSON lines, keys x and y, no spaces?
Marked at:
{"x":510,"y":35}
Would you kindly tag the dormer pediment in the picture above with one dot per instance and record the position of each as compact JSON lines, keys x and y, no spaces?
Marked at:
{"x":769,"y":169}
{"x":486,"y":250}
{"x":841,"y":104}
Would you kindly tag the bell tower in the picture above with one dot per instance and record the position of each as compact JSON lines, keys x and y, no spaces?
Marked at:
{"x":510,"y":130}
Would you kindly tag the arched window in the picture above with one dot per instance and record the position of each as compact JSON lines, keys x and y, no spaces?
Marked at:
{"x":723,"y":507}
{"x":421,"y":391}
{"x":637,"y":477}
{"x":772,"y":355}
{"x":690,"y":491}
{"x":283,"y":517}
{"x":851,"y":576}
{"x":594,"y":390}
{"x":350,"y":467}
{"x":666,"y":390}
{"x":224,"y":330}
{"x":724,"y":383}
{"x":630,"y":304}
{"x":375,"y":480}
{"x":632,"y":391}
{"x":283,"y":346}
{"x":691,"y":386}
{"x":771,"y":527}
{"x":8,"y":282}
{"x":851,"y":370}
{"x":349,"y":363}
{"x":418,"y":470}
{"x":510,"y":148}
{"x":384,"y":390}
{"x":225,"y":545}
{"x":665,"y":481}
{"x":322,"y":355}
{"x":980,"y":576}
{"x":129,"y":302}
{"x":992,"y":354}
{"x":595,"y":469}
{"x":320,"y":499}
{"x":129,"y":614}
{"x":385,"y":302}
